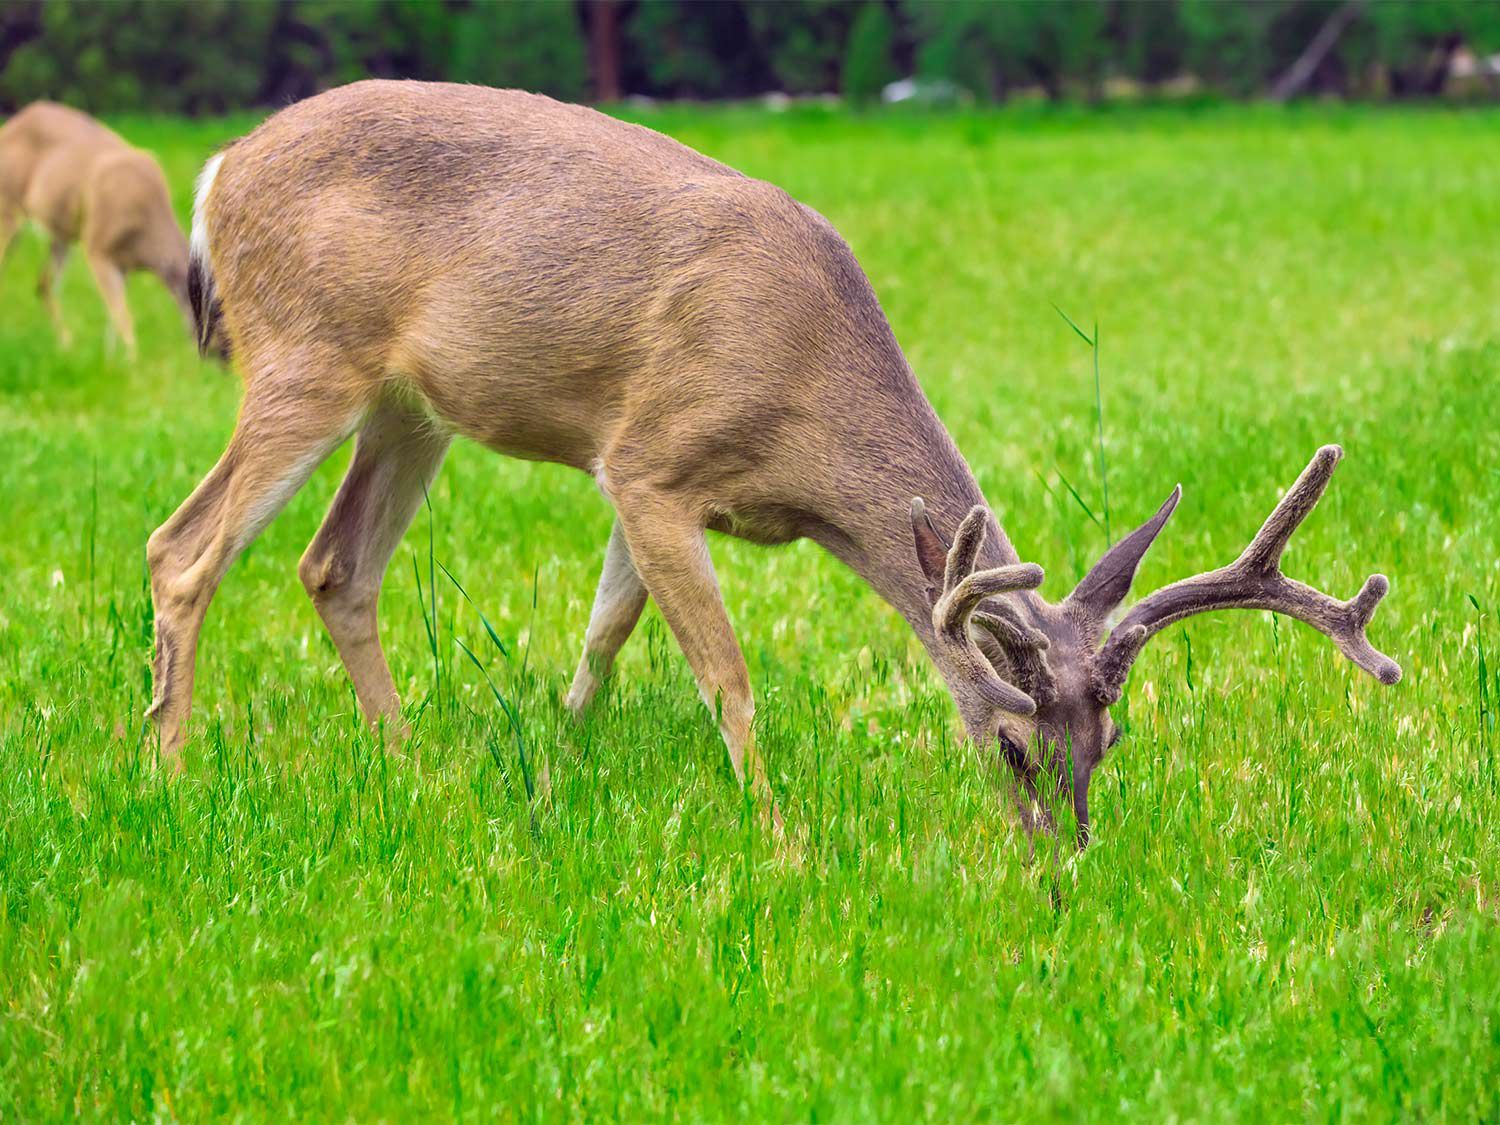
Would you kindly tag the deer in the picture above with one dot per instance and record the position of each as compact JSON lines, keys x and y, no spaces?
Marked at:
{"x":81,"y":182}
{"x":405,"y":263}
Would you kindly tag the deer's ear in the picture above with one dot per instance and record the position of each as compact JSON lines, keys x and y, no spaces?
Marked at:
{"x":1105,"y":587}
{"x":932,"y":551}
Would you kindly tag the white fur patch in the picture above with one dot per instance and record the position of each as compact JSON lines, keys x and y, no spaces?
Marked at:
{"x":596,"y":470}
{"x":198,"y":240}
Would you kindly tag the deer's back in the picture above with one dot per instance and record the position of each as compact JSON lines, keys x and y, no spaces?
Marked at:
{"x":31,"y":141}
{"x":403,"y":199}
{"x":545,"y":275}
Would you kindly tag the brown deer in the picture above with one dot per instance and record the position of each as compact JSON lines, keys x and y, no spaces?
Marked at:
{"x":406,"y":262}
{"x":82,"y":183}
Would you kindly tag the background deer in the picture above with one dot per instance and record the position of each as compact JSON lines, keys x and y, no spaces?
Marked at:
{"x":406,"y":262}
{"x":82,"y":183}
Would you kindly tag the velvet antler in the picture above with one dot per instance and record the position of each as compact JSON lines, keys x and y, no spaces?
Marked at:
{"x":957,"y":607}
{"x":1254,"y":581}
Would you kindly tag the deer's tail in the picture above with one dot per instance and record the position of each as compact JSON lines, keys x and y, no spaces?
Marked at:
{"x":202,"y":292}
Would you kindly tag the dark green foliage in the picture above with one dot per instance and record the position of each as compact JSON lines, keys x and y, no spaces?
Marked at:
{"x":677,"y":48}
{"x":1227,"y":44}
{"x":528,"y":44}
{"x":205,"y":56}
{"x":802,"y":41}
{"x":868,"y":66}
{"x":1409,"y":39}
{"x":956,"y":44}
{"x":992,"y":49}
{"x":1149,"y":40}
{"x":195,"y":58}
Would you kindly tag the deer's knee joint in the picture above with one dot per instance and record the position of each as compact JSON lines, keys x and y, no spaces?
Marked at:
{"x":344,"y":601}
{"x":161,"y":555}
{"x":156,"y":549}
{"x":619,"y":487}
{"x":324,"y":576}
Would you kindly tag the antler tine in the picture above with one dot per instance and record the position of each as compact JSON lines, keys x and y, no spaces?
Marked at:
{"x":1265,"y":550}
{"x":1024,"y":647}
{"x":1113,"y":662}
{"x":965,"y":549}
{"x":963,"y":590}
{"x":1255,"y":581}
{"x":960,"y":602}
{"x":1006,"y":626}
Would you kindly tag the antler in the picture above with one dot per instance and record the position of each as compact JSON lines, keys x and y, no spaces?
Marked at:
{"x":964,"y":589}
{"x":1254,"y":581}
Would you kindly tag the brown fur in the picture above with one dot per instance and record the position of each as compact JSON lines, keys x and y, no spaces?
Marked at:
{"x":82,"y":183}
{"x":408,"y":261}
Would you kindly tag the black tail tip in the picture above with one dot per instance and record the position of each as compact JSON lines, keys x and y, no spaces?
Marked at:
{"x":208,"y":314}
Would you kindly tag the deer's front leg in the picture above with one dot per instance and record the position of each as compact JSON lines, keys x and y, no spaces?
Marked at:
{"x":10,"y":223}
{"x":670,"y":551}
{"x":617,"y":608}
{"x":110,"y":280}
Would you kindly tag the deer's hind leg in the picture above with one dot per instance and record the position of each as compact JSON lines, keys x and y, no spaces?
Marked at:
{"x":294,"y":415}
{"x":46,"y":288}
{"x":396,"y":456}
{"x":617,"y":607}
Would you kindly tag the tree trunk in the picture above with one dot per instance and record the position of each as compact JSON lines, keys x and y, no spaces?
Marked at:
{"x":604,"y":49}
{"x":1297,"y":76}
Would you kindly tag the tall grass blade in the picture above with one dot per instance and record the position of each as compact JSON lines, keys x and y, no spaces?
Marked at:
{"x":510,"y":714}
{"x":416,"y":570}
{"x":485,"y":621}
{"x":1093,"y":343}
{"x":1482,"y":694}
{"x":1081,"y":503}
{"x":437,"y":663}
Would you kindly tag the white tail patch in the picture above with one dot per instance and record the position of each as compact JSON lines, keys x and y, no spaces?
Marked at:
{"x":198,"y":241}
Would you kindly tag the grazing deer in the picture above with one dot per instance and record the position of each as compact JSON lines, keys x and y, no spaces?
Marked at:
{"x":404,"y":262}
{"x":82,"y":183}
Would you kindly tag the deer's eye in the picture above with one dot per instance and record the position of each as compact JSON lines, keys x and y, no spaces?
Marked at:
{"x":1012,"y":749}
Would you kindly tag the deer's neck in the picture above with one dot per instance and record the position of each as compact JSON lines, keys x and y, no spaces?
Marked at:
{"x":894,"y":454}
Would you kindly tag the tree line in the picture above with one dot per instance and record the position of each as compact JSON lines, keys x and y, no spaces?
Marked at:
{"x":210,"y":56}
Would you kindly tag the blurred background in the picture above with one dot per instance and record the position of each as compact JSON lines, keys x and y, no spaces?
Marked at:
{"x":210,"y":56}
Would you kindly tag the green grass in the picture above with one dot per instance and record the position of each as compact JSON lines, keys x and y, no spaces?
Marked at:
{"x":1289,"y":910}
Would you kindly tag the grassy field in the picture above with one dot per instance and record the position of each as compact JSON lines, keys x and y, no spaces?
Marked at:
{"x":1290,"y":907}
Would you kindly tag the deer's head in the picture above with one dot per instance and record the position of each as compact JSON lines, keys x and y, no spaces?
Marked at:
{"x":1037,"y":680}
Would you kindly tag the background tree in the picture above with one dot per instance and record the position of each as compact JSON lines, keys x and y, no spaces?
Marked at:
{"x":206,"y":56}
{"x":1149,"y":40}
{"x":678,"y":48}
{"x":803,"y":42}
{"x":1413,"y":41}
{"x":868,"y":66}
{"x":531,"y":44}
{"x":604,"y":49}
